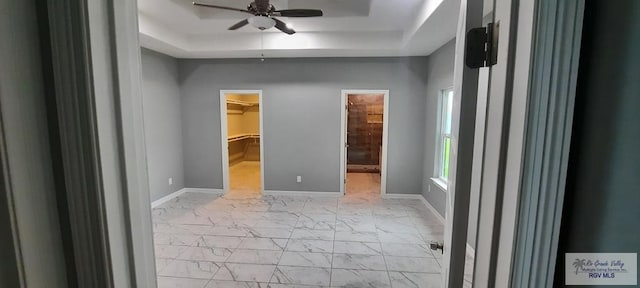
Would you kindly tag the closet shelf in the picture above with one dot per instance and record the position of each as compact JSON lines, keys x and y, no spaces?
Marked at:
{"x":241,"y":103}
{"x":239,"y":137}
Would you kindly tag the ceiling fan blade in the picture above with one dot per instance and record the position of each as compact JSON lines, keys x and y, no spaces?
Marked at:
{"x":283,"y":27}
{"x":239,"y":24}
{"x":299,"y":13}
{"x":220,"y":7}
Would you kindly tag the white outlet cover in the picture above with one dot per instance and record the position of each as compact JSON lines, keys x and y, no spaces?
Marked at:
{"x":170,"y":181}
{"x":299,"y":179}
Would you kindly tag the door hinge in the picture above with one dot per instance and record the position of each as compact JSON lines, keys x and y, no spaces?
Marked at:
{"x":482,"y":46}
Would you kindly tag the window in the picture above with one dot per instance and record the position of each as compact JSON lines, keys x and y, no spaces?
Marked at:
{"x":444,"y":135}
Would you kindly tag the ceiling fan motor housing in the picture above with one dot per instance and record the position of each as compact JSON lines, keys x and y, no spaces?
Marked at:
{"x":263,"y":15}
{"x":262,"y":22}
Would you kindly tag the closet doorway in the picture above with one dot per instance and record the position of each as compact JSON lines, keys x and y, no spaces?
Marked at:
{"x":242,"y":142}
{"x":364,"y":142}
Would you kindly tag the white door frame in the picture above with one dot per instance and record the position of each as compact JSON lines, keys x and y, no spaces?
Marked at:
{"x":503,"y":146}
{"x":465,"y":86}
{"x":343,"y":140}
{"x":224,"y":141}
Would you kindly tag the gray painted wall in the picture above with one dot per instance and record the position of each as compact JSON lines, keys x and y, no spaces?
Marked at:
{"x":26,"y":144}
{"x":162,"y":123}
{"x":439,"y":76}
{"x":603,"y":187}
{"x":301,"y":104}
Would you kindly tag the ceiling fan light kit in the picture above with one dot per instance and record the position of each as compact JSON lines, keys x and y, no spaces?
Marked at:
{"x":262,"y":22}
{"x":263,"y":15}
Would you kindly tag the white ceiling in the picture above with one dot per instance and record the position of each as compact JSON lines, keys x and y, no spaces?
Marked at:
{"x":349,"y":28}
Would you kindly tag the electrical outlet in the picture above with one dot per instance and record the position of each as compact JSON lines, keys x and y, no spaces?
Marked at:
{"x":429,"y":185}
{"x":170,"y":180}
{"x":299,"y":179}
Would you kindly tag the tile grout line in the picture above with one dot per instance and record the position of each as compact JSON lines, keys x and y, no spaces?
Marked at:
{"x":210,"y":280}
{"x":384,"y":258}
{"x":285,"y":246}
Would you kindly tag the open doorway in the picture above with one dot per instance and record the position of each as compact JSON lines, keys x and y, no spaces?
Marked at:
{"x":242,"y":145}
{"x":364,"y":133}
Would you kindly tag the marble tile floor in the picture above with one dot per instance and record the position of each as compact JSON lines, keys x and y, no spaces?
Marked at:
{"x":239,"y":240}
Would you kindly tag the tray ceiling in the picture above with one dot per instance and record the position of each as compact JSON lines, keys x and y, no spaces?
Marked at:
{"x":349,"y":28}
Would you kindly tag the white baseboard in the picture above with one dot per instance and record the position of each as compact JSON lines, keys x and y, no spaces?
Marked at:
{"x":401,"y":196}
{"x":168,"y":198}
{"x":433,"y":210}
{"x":301,"y":193}
{"x":204,"y":190}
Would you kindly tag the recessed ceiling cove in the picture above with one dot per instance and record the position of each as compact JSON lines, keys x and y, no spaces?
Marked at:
{"x":348,"y":28}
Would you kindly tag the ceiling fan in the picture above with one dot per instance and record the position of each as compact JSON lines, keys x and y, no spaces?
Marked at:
{"x":264,"y":15}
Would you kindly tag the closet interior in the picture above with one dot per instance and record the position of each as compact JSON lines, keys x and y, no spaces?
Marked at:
{"x":243,"y":136}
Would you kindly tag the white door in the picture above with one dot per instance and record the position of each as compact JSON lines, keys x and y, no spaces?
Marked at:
{"x":472,"y":14}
